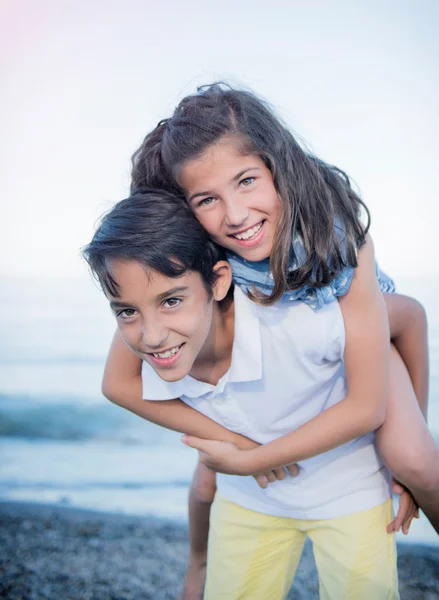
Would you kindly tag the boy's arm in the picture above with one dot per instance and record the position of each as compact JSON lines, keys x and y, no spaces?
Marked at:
{"x":363,"y":408}
{"x":408,"y":332}
{"x":122,"y":385}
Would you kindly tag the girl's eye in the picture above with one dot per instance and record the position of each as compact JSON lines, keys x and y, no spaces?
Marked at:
{"x":247,"y":181}
{"x":205,"y":201}
{"x":126,"y":313}
{"x":171,"y":302}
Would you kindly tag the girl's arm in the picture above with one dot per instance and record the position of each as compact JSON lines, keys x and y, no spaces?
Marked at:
{"x":408,"y":331}
{"x":361,"y":411}
{"x":122,"y":385}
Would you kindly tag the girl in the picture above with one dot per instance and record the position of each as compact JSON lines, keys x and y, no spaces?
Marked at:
{"x":300,"y":245}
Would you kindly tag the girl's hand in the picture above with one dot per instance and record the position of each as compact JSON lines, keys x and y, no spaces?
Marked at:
{"x":222,"y":457}
{"x":225,"y":457}
{"x":407,"y":511}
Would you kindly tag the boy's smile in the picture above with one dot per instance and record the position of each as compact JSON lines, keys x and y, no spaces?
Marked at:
{"x":171,"y":323}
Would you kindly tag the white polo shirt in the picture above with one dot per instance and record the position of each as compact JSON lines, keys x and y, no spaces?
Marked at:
{"x":286,"y":368}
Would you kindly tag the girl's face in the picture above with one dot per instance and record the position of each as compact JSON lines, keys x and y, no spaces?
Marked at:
{"x":234,"y":198}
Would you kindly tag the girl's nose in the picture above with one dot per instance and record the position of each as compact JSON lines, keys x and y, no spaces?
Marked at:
{"x":236,"y":213}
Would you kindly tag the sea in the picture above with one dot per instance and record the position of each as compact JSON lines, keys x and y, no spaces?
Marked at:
{"x":62,"y":443}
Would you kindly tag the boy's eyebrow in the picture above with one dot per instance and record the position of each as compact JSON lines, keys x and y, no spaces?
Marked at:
{"x":160,"y":297}
{"x":171,"y":292}
{"x":114,"y":304}
{"x":234,"y":178}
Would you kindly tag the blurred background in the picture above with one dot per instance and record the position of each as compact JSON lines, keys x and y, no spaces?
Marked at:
{"x":82,"y":85}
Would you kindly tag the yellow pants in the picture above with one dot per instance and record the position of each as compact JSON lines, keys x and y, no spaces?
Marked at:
{"x":254,"y":556}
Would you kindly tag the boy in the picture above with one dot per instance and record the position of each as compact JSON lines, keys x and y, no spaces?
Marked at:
{"x":262,"y":373}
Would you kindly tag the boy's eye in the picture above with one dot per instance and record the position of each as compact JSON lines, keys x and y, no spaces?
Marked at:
{"x":126,"y":313}
{"x":171,"y":302}
{"x":247,"y":181}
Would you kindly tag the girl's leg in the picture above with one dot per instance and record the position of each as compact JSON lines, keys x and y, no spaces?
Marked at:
{"x":355,"y":556}
{"x":405,"y":443}
{"x":251,"y":556}
{"x":201,"y":495}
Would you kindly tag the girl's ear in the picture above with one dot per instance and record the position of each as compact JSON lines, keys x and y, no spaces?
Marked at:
{"x":223,"y":281}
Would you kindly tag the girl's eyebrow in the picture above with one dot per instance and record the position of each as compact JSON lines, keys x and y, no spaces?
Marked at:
{"x":234,"y":178}
{"x":244,"y":171}
{"x":197,"y":195}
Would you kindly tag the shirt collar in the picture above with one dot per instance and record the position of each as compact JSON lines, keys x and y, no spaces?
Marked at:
{"x":246,"y":363}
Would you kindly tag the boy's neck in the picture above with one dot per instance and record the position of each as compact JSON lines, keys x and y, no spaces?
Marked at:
{"x":215,"y":358}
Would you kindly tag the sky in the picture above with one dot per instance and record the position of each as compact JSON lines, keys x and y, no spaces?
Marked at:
{"x":82,"y":84}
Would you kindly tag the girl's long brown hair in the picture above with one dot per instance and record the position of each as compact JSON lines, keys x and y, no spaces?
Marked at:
{"x":317,"y":200}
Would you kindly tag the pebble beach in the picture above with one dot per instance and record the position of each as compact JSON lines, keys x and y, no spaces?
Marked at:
{"x":57,"y":553}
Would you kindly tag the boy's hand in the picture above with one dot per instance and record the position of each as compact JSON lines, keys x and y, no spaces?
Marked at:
{"x":225,"y":457}
{"x":407,"y":511}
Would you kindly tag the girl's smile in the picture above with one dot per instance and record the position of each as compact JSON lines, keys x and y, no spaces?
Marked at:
{"x":250,"y":237}
{"x":234,"y":198}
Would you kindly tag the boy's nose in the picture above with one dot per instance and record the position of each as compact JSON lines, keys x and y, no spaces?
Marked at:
{"x":154,"y":337}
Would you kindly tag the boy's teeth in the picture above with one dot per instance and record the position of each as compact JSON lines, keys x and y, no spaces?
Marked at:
{"x":249,"y":233}
{"x":168,"y":353}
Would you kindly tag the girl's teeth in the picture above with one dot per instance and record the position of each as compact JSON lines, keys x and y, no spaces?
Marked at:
{"x":249,"y":233}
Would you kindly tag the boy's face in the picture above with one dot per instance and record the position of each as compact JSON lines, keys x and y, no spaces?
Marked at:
{"x":165,"y":321}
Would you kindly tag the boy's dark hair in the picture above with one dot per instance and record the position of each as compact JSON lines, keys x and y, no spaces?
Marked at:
{"x":157,"y":230}
{"x":317,"y":200}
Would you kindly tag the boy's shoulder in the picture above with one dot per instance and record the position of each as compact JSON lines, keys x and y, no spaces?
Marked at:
{"x":156,"y":388}
{"x":261,"y":334}
{"x":293,"y":317}
{"x":291,"y":327}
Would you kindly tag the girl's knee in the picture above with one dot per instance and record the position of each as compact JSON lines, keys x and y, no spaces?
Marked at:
{"x":418,"y":469}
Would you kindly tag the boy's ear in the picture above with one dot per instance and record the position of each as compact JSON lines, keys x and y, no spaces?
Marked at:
{"x":223,"y":281}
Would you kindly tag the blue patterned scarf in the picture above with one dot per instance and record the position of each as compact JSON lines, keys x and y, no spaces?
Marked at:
{"x":246,"y":274}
